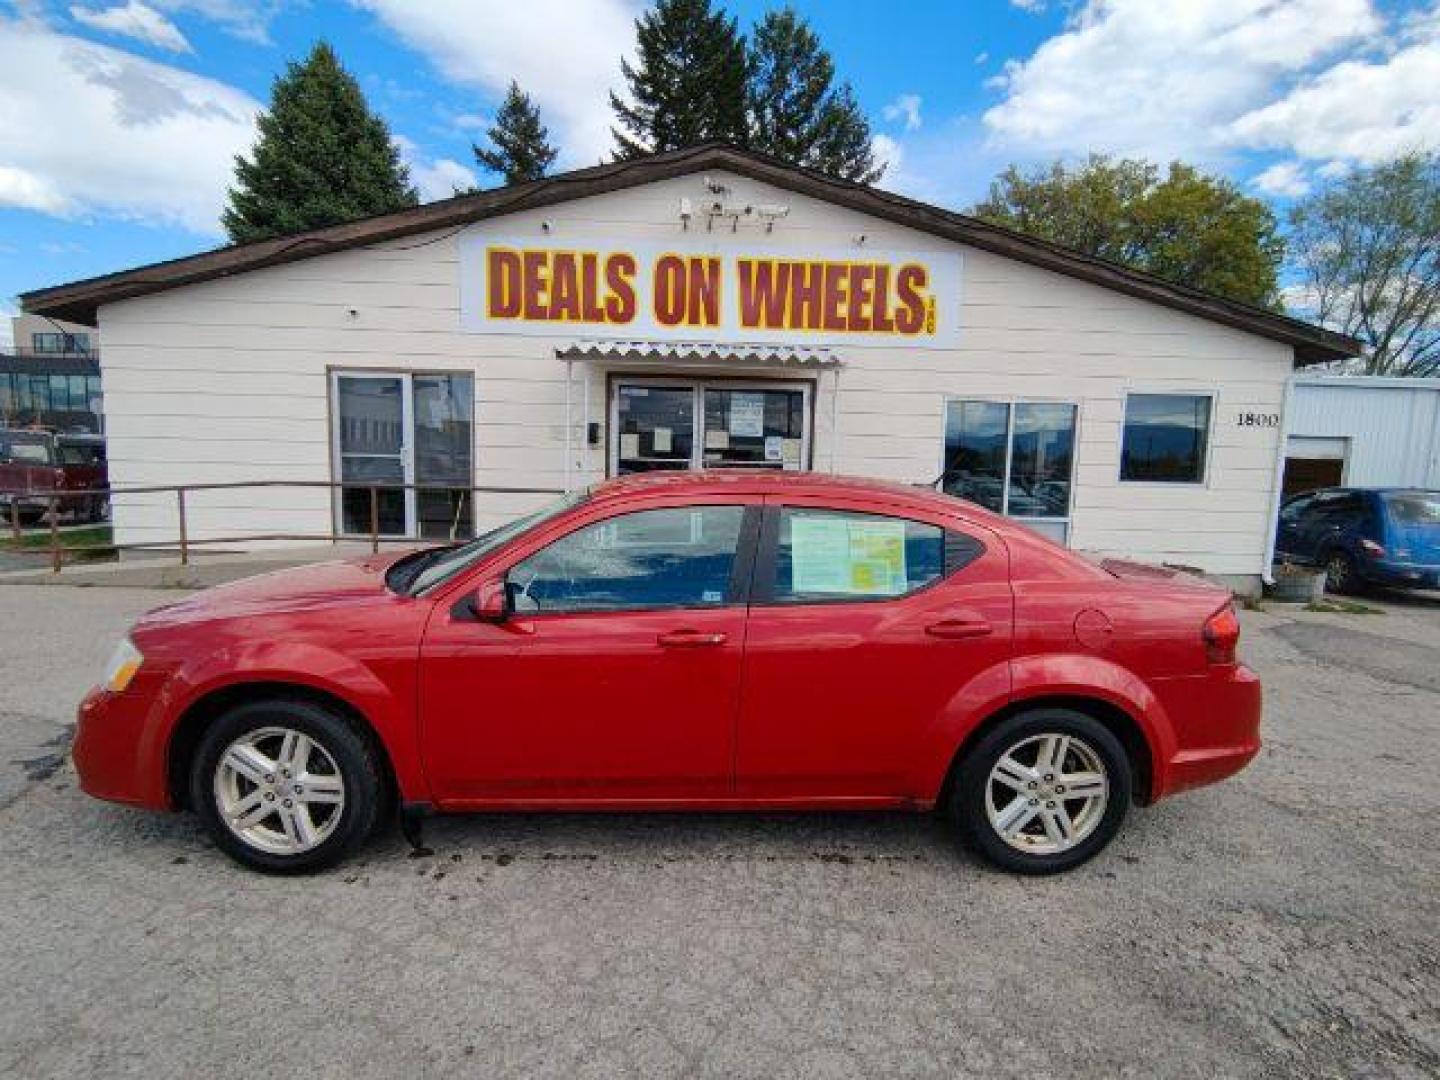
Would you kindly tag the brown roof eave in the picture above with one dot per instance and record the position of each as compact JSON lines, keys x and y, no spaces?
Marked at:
{"x":79,"y":301}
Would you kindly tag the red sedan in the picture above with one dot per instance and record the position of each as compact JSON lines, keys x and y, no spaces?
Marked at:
{"x":684,"y":641}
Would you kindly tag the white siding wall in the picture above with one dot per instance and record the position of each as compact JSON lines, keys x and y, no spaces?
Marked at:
{"x":227,"y":380}
{"x":1392,"y":426}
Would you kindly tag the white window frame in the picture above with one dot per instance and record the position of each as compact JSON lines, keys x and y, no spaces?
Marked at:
{"x":1010,"y":402}
{"x":407,"y":444}
{"x":698,"y":387}
{"x":1205,"y":470}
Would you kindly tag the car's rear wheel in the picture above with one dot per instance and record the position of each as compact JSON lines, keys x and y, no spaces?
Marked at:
{"x":1043,"y":791}
{"x":285,"y":786}
{"x":1340,"y":573}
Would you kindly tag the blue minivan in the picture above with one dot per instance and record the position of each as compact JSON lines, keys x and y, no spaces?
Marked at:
{"x":1364,"y":536}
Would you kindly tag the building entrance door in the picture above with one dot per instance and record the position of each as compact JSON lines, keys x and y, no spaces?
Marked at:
{"x":708,"y":424}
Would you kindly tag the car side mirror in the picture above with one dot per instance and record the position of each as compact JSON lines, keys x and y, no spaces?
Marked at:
{"x":491,"y":602}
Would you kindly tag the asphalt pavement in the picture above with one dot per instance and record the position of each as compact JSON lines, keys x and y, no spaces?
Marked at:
{"x":1281,"y":924}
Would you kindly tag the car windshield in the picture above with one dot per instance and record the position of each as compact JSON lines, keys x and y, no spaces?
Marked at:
{"x":445,"y":563}
{"x":78,"y":453}
{"x":25,"y":449}
{"x":1414,"y":507}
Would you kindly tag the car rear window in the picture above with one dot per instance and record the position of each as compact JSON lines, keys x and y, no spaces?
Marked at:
{"x":1413,"y":507}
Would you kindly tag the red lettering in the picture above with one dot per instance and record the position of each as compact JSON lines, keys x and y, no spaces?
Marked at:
{"x":591,"y":312}
{"x":882,"y":320}
{"x":534,"y":284}
{"x":502,"y":284}
{"x":806,"y":282}
{"x":763,"y":286}
{"x":835,"y":289}
{"x":619,"y":279}
{"x":669,"y":290}
{"x":704,"y":290}
{"x":564,"y":288}
{"x":862,"y":280}
{"x":909,"y":287}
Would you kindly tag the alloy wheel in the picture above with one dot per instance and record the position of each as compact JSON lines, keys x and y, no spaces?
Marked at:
{"x":1047,"y":793}
{"x":279,"y":790}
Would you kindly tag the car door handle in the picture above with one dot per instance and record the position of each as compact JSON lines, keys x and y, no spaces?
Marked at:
{"x":690,"y":639}
{"x":958,"y":628}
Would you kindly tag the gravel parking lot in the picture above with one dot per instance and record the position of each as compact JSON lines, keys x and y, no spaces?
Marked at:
{"x":1282,"y":924}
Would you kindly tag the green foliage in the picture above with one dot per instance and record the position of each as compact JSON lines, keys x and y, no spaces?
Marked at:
{"x":1367,"y":251}
{"x":1186,"y":227}
{"x":794,"y":111}
{"x":688,"y":83}
{"x":322,"y":157}
{"x":519,"y":147}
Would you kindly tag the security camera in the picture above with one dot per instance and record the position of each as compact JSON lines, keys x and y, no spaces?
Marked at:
{"x":686,"y":212}
{"x":771,"y":213}
{"x":715,"y":187}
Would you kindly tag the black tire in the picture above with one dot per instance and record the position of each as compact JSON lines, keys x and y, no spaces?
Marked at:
{"x":1340,"y":574}
{"x":969,"y":794}
{"x":351,"y":752}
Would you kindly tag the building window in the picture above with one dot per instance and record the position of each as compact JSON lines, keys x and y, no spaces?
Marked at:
{"x":60,"y":343}
{"x":1016,"y":459}
{"x":1166,"y":438}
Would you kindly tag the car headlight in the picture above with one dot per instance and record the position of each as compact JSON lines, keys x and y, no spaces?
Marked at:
{"x":125,"y":661}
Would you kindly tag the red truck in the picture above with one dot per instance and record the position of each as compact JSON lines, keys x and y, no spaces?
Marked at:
{"x":34,"y":461}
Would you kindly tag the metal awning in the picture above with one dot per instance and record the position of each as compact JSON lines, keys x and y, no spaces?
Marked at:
{"x":810,"y":356}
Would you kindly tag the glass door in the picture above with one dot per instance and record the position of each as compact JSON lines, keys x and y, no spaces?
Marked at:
{"x":670,"y":424}
{"x":654,"y":428}
{"x":755,"y":428}
{"x":371,"y":418}
{"x":394,"y":429}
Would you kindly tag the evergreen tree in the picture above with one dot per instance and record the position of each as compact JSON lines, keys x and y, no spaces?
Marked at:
{"x":688,"y":83}
{"x":519,"y":143}
{"x":794,"y":111}
{"x":322,"y":157}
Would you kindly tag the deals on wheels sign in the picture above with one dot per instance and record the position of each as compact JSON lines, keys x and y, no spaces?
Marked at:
{"x":629,"y":291}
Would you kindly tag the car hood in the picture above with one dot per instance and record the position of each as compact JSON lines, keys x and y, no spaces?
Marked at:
{"x":294,"y":591}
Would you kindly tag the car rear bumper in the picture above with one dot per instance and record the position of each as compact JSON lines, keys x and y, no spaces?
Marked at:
{"x":1216,"y":718}
{"x":115,"y":749}
{"x":1401,"y":575}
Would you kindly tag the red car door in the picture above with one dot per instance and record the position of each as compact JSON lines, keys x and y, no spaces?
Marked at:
{"x":615,"y":678}
{"x":865,"y":623}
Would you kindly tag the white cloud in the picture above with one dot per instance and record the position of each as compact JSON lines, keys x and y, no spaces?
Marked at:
{"x":1285,"y":179}
{"x":1033,"y":7}
{"x":470,"y":121}
{"x":1169,"y":78}
{"x":85,"y":128}
{"x":564,"y":53}
{"x":981,"y":57}
{"x":906,"y":106}
{"x":889,"y":153}
{"x":1358,"y":110}
{"x":248,"y":20}
{"x":440,"y":179}
{"x":134,"y":20}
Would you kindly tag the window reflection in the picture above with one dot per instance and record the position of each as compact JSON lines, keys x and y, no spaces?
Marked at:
{"x":1017,"y":460}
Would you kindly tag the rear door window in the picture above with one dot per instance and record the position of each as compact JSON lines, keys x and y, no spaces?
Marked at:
{"x":824,"y":555}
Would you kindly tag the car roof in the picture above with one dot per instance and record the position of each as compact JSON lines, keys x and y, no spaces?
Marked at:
{"x":775,"y":482}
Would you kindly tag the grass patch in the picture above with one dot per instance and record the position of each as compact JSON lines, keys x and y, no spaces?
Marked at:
{"x":97,"y":538}
{"x":1342,"y":607}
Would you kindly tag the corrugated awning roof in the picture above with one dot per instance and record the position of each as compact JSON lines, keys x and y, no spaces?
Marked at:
{"x":700,"y":352}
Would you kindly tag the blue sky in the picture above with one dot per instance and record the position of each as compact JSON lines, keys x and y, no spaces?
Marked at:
{"x":119,"y":118}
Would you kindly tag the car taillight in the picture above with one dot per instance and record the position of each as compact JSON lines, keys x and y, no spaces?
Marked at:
{"x":1370,"y":547}
{"x":1221,"y":633}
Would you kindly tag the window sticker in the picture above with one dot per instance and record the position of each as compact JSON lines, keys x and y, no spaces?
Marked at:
{"x":847,"y":557}
{"x":747,"y":415}
{"x":772,"y":447}
{"x":661,"y":435}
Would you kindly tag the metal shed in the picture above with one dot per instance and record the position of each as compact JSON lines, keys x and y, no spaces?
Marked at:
{"x":1363,"y":431}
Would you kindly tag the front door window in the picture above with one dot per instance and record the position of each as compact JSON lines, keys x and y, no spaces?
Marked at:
{"x":694,"y":425}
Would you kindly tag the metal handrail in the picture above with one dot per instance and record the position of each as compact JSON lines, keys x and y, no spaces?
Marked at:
{"x":185,"y":542}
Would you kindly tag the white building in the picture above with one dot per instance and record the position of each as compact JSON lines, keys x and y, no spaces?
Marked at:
{"x":1363,"y":431}
{"x":701,"y":307}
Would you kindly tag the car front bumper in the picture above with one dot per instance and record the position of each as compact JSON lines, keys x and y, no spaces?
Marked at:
{"x":118,"y":751}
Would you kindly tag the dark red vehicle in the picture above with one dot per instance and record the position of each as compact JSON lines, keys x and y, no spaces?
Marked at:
{"x":684,"y":641}
{"x":36,"y":460}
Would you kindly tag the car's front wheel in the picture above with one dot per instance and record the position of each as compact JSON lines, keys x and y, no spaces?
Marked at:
{"x":285,"y":786}
{"x":1043,"y":791}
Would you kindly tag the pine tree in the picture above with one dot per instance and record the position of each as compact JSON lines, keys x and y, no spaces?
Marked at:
{"x":794,"y":111}
{"x":519,"y":143}
{"x":688,"y":83}
{"x":322,"y":157}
